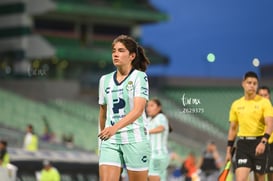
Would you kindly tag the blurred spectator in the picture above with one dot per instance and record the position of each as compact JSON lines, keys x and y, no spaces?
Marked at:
{"x":49,"y":173}
{"x":189,"y":168}
{"x":48,"y":133}
{"x":68,"y":140}
{"x":31,"y":140}
{"x":211,"y":163}
{"x":4,"y":156}
{"x":175,"y":166}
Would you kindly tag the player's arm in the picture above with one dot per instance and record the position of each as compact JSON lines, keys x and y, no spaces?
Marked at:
{"x":261,"y":146}
{"x":157,"y":129}
{"x":200,"y":162}
{"x":269,"y":128}
{"x":217,"y":158}
{"x":268,"y":119}
{"x":102,"y":116}
{"x":136,"y":112}
{"x":232,"y":132}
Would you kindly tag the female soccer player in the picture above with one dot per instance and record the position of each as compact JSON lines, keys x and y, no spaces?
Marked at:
{"x":122,"y":98}
{"x":159,"y":131}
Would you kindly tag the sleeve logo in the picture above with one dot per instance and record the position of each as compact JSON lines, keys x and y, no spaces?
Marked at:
{"x":107,"y":90}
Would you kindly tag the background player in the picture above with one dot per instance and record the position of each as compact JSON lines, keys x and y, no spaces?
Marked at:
{"x":159,"y":131}
{"x":264,"y":91}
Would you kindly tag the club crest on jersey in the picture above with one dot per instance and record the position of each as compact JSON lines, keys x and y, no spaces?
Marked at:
{"x":129,"y":86}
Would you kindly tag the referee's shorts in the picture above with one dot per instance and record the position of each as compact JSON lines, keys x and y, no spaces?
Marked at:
{"x":270,"y":159}
{"x":245,"y":154}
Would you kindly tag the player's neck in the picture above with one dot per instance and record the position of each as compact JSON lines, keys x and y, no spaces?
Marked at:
{"x":122,"y":73}
{"x":250,"y":96}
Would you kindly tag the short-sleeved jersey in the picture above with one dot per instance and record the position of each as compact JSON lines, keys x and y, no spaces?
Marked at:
{"x":250,"y":115}
{"x":158,"y":141}
{"x":119,"y":98}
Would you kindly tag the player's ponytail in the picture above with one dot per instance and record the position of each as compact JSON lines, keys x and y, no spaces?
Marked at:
{"x":141,"y":61}
{"x":158,"y":103}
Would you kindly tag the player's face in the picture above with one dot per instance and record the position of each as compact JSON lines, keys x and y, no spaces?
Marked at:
{"x":152,"y":109}
{"x":250,"y":85}
{"x":121,"y":55}
{"x":264,"y":93}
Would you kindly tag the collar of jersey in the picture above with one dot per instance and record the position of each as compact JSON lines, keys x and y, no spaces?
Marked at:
{"x":115,"y":77}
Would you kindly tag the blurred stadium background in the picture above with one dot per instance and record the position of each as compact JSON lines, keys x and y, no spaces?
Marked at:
{"x":52,"y":53}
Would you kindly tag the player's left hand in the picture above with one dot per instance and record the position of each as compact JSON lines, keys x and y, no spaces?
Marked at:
{"x":260,"y":149}
{"x":106,"y":133}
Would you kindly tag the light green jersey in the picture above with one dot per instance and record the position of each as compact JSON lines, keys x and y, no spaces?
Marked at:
{"x":119,"y":98}
{"x":159,"y":141}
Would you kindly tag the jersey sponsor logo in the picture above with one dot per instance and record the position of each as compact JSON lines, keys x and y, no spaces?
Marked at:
{"x":118,"y":116}
{"x":117,"y":90}
{"x":242,"y":161}
{"x":129,"y":86}
{"x":107,"y":90}
{"x":112,"y":122}
{"x":144,"y":159}
{"x":118,"y":104}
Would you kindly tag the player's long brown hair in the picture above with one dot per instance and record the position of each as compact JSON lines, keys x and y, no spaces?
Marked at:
{"x":158,"y":103}
{"x":141,"y":61}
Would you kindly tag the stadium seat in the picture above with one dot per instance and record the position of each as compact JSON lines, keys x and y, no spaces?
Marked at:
{"x":17,"y":112}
